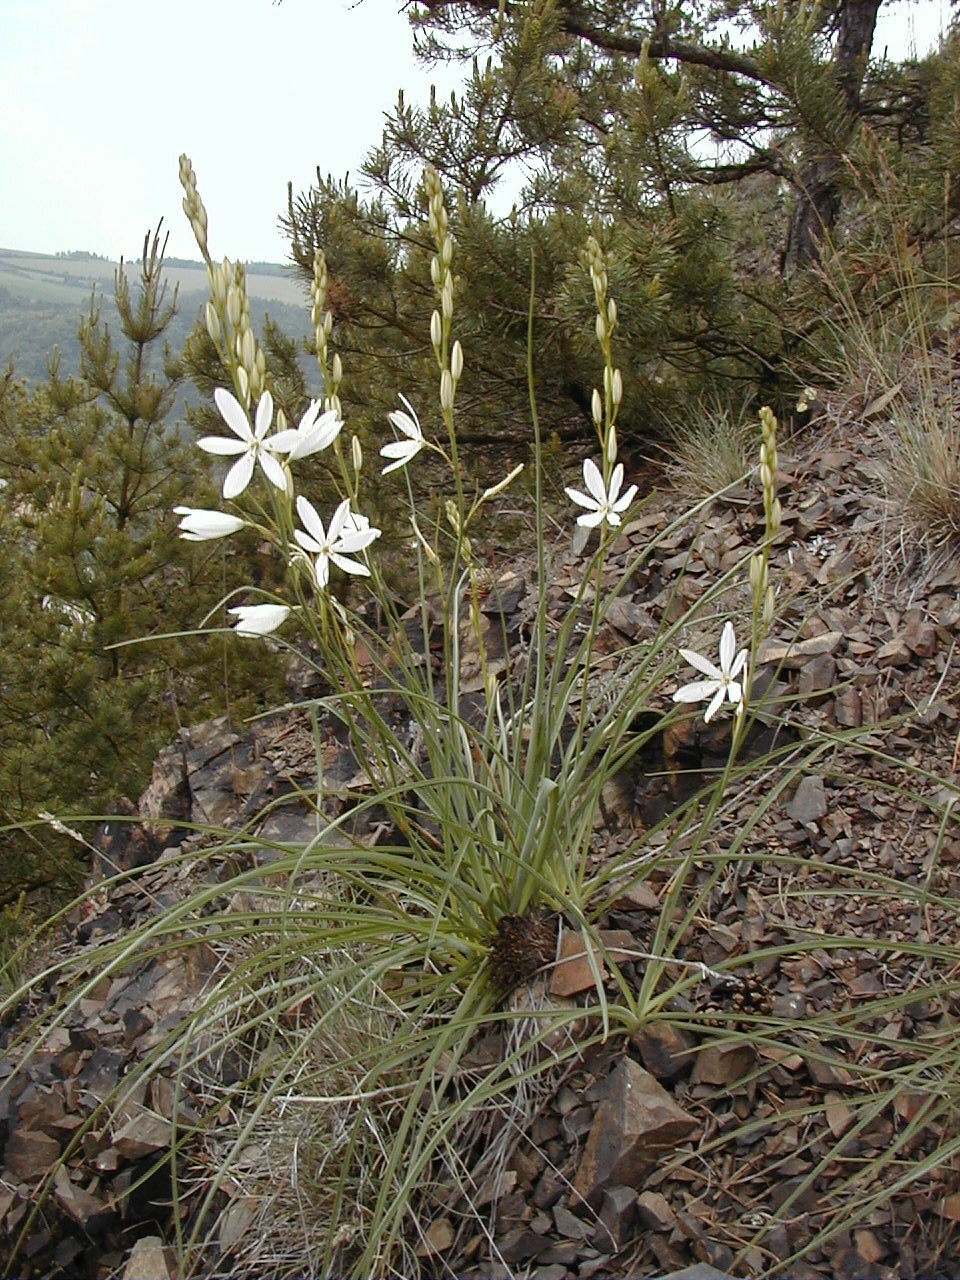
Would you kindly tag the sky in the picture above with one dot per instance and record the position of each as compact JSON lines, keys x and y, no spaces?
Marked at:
{"x":98,"y":98}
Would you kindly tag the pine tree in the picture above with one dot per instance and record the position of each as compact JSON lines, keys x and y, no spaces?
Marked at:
{"x":90,"y":469}
{"x":709,"y":168}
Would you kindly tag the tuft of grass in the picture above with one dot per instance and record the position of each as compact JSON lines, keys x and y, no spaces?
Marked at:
{"x":711,"y":451}
{"x":895,"y":333}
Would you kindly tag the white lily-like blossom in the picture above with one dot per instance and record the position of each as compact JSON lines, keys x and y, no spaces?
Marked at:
{"x":316,"y":430}
{"x":408,"y":424}
{"x":602,"y":503}
{"x":721,"y":681}
{"x":348,"y":533}
{"x":259,"y":619}
{"x":251,"y":444}
{"x":201,"y":525}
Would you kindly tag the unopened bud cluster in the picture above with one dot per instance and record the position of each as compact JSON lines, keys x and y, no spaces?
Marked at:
{"x":762,"y":591}
{"x":251,"y":365}
{"x":330,"y":368}
{"x":768,"y":471}
{"x":450,"y":366}
{"x":604,"y":408}
{"x":193,"y":205}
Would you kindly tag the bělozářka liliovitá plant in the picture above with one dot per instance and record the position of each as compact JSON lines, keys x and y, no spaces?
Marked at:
{"x":503,"y":803}
{"x":411,"y":946}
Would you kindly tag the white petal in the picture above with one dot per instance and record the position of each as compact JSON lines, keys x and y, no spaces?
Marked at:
{"x":714,"y":706}
{"x":591,"y":519}
{"x":264,"y":415}
{"x":735,"y":691}
{"x":222,"y":445}
{"x":580,"y":499}
{"x":593,"y":479}
{"x":699,"y":663}
{"x":310,"y":520}
{"x":259,"y":619}
{"x":238,"y":477}
{"x":625,"y":499}
{"x":308,"y":543}
{"x":350,"y":566}
{"x":728,"y":647}
{"x":337,"y":521}
{"x":233,"y":414}
{"x":616,"y":480}
{"x":404,"y":424}
{"x":199,"y":525}
{"x":738,"y":664}
{"x":696,"y":692}
{"x":312,"y":412}
{"x":272,"y":469}
{"x":322,"y":570}
{"x":402,"y":450}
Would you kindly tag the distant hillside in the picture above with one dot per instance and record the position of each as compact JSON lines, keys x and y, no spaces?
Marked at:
{"x":42,"y":298}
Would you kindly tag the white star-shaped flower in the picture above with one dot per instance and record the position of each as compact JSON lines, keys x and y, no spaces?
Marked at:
{"x":347,"y":534}
{"x":200,"y":525}
{"x":602,"y":503}
{"x":250,"y":443}
{"x":258,"y":619}
{"x":403,"y":451}
{"x":316,"y":431}
{"x":721,"y":681}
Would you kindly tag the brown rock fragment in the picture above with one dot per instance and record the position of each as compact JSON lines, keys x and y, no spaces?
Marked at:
{"x":665,"y":1049}
{"x":143,"y":1135}
{"x":809,"y":802}
{"x":90,"y":1214}
{"x":894,"y":653}
{"x":30,"y":1153}
{"x":723,"y":1064}
{"x":654,"y":1211}
{"x":634,"y":1124}
{"x":149,"y":1260}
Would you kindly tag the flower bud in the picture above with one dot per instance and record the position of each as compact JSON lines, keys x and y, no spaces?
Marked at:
{"x":504,"y":483}
{"x":446,"y":251}
{"x":436,"y":329}
{"x":328,"y":324}
{"x":611,"y":314}
{"x":610,"y":446}
{"x":446,"y":390}
{"x":453,"y":515}
{"x":213,"y":322}
{"x":596,"y":408}
{"x":234,"y":307}
{"x":446,"y":299}
{"x":456,"y":361}
{"x":336,"y":369}
{"x":601,"y":328}
{"x":757,"y":572}
{"x":616,"y":391}
{"x":248,"y":351}
{"x":436,"y":272}
{"x":769,"y":607}
{"x":243,"y":386}
{"x":356,"y":453}
{"x":215,"y":281}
